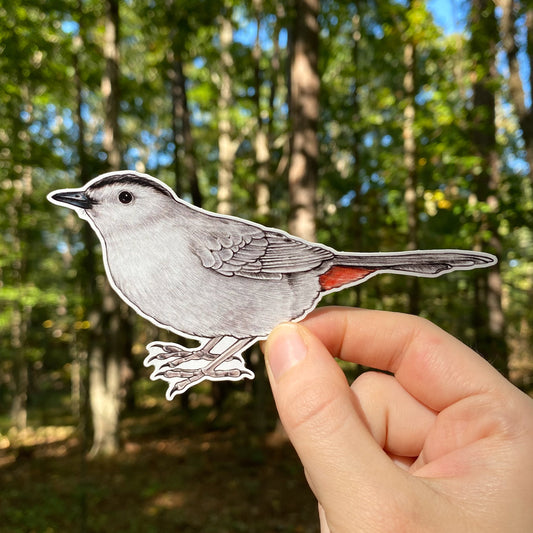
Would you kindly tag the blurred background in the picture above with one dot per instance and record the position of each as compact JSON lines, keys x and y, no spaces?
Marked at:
{"x":368,"y":126}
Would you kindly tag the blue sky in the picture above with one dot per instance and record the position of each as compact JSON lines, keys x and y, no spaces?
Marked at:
{"x":450,"y":15}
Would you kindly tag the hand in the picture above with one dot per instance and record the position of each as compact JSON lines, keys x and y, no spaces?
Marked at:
{"x":445,"y":443}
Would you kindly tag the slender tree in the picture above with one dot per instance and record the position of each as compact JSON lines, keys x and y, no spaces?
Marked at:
{"x":185,"y":164}
{"x":112,"y":323}
{"x":88,"y":276}
{"x":357,"y":203}
{"x":519,"y":83}
{"x":303,"y":108}
{"x":21,"y":310}
{"x":16,"y":212}
{"x":409,"y":159}
{"x":261,"y":141}
{"x":489,"y":320}
{"x":227,"y":146}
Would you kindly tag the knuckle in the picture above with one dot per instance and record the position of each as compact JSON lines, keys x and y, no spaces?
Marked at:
{"x":369,"y":383}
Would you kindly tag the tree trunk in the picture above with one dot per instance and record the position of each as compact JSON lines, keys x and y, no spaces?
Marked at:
{"x":105,"y":401}
{"x":110,"y":85}
{"x":111,"y":324}
{"x":278,"y":83}
{"x":261,"y":141}
{"x":516,"y":85}
{"x":16,"y":211}
{"x":227,"y":148}
{"x":184,"y":156}
{"x":303,"y":109}
{"x":19,"y":411}
{"x":409,"y":158}
{"x":86,"y":280}
{"x":489,"y":319}
{"x":357,"y":203}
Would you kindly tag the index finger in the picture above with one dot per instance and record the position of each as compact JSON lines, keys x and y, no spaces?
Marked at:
{"x":434,"y":367}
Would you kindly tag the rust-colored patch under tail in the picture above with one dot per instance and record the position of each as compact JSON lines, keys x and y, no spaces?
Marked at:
{"x":337,"y":276}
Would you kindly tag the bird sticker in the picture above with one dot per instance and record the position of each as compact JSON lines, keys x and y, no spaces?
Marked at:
{"x":221,"y":280}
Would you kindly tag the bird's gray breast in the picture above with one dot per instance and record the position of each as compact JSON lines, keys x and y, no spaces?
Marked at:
{"x":157,"y":272}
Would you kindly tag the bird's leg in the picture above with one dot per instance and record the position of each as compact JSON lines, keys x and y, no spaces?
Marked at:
{"x":239,"y":346}
{"x":212,"y":364}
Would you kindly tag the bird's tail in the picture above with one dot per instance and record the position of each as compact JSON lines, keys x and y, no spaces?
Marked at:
{"x":350,"y":269}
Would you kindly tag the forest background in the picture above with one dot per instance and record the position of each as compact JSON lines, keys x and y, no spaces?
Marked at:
{"x":368,"y":126}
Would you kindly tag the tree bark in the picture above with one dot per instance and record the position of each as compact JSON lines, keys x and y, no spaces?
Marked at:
{"x":357,"y":203}
{"x":409,"y":158}
{"x":110,"y":85}
{"x":227,"y":147}
{"x":111,"y":339}
{"x":304,"y":89}
{"x":489,"y":319}
{"x":16,"y":211}
{"x":516,"y":85}
{"x":261,"y":141}
{"x":87,"y":279}
{"x":278,"y":84}
{"x":185,"y":167}
{"x":19,"y":409}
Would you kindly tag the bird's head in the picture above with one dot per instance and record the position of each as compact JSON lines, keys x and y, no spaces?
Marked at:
{"x":118,"y":201}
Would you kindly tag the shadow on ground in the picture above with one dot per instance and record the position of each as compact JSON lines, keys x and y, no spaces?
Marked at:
{"x":175,"y":475}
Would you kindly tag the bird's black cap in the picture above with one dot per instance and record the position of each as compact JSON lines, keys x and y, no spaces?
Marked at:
{"x":131,"y":179}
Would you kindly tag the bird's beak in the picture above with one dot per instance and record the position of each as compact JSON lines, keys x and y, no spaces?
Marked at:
{"x":73,"y":198}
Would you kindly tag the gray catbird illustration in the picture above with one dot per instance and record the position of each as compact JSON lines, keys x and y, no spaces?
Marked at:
{"x":221,"y":280}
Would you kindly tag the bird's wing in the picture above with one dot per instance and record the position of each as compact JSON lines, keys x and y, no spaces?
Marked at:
{"x":240,"y":249}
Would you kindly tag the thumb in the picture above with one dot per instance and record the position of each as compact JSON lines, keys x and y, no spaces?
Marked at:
{"x":322,"y":418}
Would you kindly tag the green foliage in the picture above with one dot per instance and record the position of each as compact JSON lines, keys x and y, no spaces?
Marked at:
{"x":361,"y":204}
{"x":49,"y":49}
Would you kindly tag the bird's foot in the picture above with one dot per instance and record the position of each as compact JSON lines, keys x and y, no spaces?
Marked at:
{"x":184,"y":367}
{"x":172,"y":354}
{"x":181,"y":379}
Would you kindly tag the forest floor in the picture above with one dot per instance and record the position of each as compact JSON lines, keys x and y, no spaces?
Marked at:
{"x":204,"y":470}
{"x":226,"y":469}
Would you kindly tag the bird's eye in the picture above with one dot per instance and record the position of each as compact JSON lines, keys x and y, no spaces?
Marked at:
{"x":125,"y":197}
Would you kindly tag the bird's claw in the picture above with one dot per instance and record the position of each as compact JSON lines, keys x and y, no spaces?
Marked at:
{"x":202,"y":373}
{"x":169,"y":351}
{"x":184,"y":367}
{"x":191,"y":357}
{"x":179,"y":360}
{"x":188,"y":379}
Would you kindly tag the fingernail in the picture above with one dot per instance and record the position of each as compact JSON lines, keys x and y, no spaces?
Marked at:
{"x":284,"y":349}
